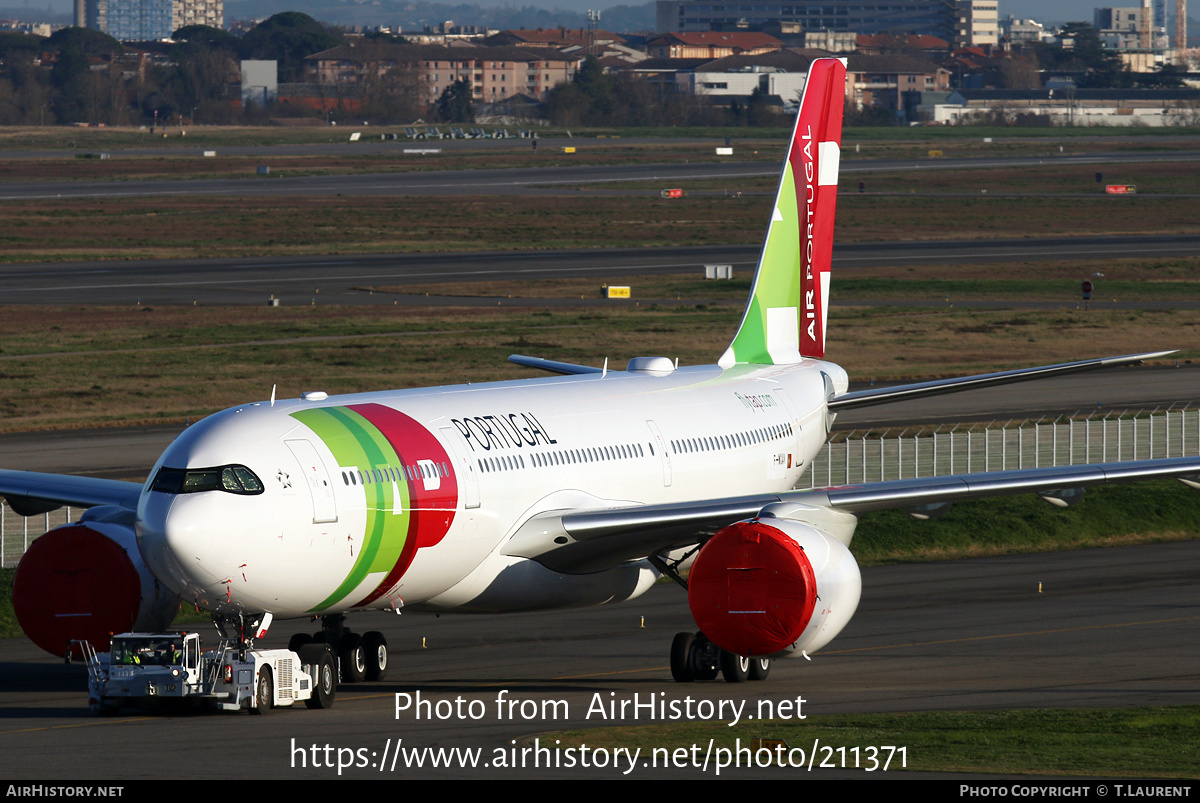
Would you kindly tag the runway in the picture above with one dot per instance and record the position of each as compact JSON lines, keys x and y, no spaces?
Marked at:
{"x":534,"y":179}
{"x":343,"y":279}
{"x":1111,"y":627}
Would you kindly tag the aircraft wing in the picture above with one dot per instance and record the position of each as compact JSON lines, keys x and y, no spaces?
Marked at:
{"x":30,"y":492}
{"x":593,"y":540}
{"x":865,"y":398}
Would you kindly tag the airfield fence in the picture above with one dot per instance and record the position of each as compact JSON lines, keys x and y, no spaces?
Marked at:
{"x":877,"y":455}
{"x":874,"y":456}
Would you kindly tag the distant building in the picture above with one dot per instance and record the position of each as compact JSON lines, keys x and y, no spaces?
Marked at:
{"x":892,"y":82}
{"x":883,"y":82}
{"x":1119,"y":28}
{"x":934,"y":17}
{"x":978,"y":23}
{"x":1073,"y":107}
{"x":1018,"y":30}
{"x":926,"y":46}
{"x":552,"y":37}
{"x":495,"y":73}
{"x":711,"y":44}
{"x":779,"y":73}
{"x":833,"y":41}
{"x":147,"y":20}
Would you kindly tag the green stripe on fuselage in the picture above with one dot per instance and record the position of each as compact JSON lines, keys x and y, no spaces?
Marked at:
{"x":354,"y":441}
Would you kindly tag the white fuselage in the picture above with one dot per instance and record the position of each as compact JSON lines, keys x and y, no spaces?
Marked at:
{"x":408,"y":497}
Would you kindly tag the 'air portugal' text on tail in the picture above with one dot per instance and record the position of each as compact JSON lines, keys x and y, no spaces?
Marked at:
{"x":784,"y":320}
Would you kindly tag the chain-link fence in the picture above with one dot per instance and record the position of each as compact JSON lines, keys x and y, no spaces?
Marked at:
{"x":17,"y":532}
{"x":874,"y":456}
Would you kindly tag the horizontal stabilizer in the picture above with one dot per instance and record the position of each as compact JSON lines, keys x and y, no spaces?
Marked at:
{"x":553,"y":366}
{"x":866,"y":398}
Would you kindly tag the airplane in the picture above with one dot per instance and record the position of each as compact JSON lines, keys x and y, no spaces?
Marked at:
{"x":581,"y":487}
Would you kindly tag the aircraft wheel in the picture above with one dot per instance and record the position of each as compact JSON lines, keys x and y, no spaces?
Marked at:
{"x":376,"y":655}
{"x":353,"y":658}
{"x":320,"y":659}
{"x":735,"y":668}
{"x":706,"y":658}
{"x":760,"y":668}
{"x":297,"y":641}
{"x":264,"y":693}
{"x":681,"y":658}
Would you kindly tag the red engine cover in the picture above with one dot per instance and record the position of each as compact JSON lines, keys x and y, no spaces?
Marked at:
{"x":752,"y":589}
{"x":75,"y":583}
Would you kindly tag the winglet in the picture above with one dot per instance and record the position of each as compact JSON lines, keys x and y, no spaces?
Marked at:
{"x":785,"y":317}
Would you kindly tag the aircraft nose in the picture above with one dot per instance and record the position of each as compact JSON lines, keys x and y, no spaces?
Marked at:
{"x":175,"y":544}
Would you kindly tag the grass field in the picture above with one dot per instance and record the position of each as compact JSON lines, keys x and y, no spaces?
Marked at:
{"x":1038,"y":200}
{"x":214,"y":227}
{"x":1099,"y":743}
{"x":144,"y":365}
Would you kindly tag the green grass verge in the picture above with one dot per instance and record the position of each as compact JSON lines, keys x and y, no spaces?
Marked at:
{"x":1109,"y":743}
{"x":1121,"y":514}
{"x":9,"y":628}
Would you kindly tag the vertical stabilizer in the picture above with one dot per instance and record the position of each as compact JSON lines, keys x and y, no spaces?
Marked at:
{"x":785,"y":317}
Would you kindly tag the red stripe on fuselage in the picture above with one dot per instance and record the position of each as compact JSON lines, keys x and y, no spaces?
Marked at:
{"x":431,"y":512}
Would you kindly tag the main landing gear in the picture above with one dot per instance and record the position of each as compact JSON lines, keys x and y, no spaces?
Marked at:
{"x":694,"y":657}
{"x":361,"y":657}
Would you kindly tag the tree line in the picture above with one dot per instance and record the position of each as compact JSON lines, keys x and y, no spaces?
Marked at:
{"x":78,"y":75}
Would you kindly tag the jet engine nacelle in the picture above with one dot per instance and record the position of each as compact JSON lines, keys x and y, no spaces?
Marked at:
{"x":87,"y":581}
{"x":773,"y":587}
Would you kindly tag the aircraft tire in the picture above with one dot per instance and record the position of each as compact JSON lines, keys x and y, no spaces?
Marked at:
{"x":760,"y":668}
{"x":353,"y":658}
{"x":735,"y":668}
{"x":681,"y":658}
{"x":706,"y":658}
{"x":264,"y":693}
{"x":320,"y":658}
{"x":376,"y":653}
{"x":297,"y":641}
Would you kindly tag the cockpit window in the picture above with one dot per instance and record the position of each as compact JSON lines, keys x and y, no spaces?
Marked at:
{"x":231,"y":479}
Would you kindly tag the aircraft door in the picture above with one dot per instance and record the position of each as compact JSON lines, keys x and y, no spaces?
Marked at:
{"x":317,"y":479}
{"x":661,"y":446}
{"x":468,"y":478}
